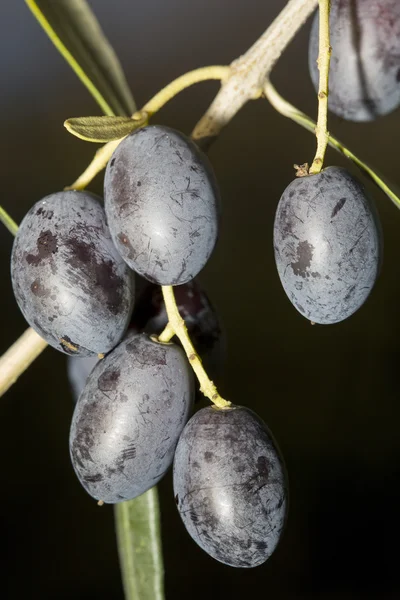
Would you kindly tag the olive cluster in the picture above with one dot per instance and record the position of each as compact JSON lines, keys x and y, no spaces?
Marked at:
{"x":73,"y":272}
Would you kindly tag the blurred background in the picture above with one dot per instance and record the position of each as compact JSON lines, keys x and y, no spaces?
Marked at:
{"x":329,"y":394}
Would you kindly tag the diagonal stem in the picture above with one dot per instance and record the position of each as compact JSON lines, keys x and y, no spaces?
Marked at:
{"x":176,"y":326}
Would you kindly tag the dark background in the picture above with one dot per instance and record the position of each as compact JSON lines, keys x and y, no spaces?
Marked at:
{"x":329,"y":394}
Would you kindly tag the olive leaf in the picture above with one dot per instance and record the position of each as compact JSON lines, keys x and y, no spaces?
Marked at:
{"x":103,"y":129}
{"x":139,"y":545}
{"x":76,"y":33}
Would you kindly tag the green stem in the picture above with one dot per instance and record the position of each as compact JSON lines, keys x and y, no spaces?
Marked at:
{"x":8,"y":221}
{"x":177,"y":325}
{"x":288,"y":110}
{"x":213,"y":72}
{"x":139,"y":546}
{"x":104,"y":154}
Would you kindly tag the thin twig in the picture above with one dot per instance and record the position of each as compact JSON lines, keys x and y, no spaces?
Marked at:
{"x":324,"y":57}
{"x":248,"y":72}
{"x":177,"y":325}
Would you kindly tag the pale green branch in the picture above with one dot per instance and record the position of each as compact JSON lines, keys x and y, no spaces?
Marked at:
{"x":324,"y":56}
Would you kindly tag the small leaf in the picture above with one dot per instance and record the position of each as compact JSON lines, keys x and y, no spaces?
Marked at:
{"x":139,"y":546}
{"x":76,"y":33}
{"x":103,"y":129}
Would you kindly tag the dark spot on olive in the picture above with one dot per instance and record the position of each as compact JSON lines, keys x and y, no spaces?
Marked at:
{"x":263,"y":465}
{"x":94,"y":478}
{"x":338,"y":207}
{"x":128,"y":454}
{"x":101,"y":272}
{"x":46,"y":246}
{"x":260,"y":545}
{"x":208,"y":456}
{"x":304,"y":257}
{"x":47,"y":214}
{"x":108,"y":380}
{"x":81,"y":252}
{"x":350,"y":293}
{"x":82,"y":446}
{"x":39,"y":290}
{"x":111,"y":284}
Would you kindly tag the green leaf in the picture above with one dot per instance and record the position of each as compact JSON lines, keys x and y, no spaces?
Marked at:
{"x":139,"y":547}
{"x":75,"y":31}
{"x":103,"y":129}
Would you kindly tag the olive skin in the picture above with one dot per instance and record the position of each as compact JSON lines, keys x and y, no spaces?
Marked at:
{"x":69,"y":281}
{"x":230,"y":485}
{"x":128,"y":419}
{"x":328,"y":246}
{"x":161,"y":201}
{"x":201,"y":319}
{"x":364,"y":81}
{"x":150,"y":316}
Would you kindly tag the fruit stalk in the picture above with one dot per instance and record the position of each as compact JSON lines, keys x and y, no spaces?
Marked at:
{"x":324,"y":57}
{"x":176,"y":325}
{"x":291,"y":112}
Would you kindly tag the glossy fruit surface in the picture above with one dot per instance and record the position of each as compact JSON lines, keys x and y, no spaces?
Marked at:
{"x":69,"y":281}
{"x":327,"y":245}
{"x":230,"y":485}
{"x":161,"y":201}
{"x":129,"y":416}
{"x":364,"y":77}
